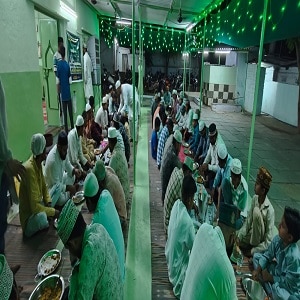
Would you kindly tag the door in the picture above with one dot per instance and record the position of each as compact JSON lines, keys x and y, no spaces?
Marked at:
{"x":48,"y":40}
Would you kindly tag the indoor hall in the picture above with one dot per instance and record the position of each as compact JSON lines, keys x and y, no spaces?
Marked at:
{"x":240,"y":75}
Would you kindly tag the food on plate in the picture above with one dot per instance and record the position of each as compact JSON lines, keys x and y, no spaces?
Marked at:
{"x":52,"y":293}
{"x":97,"y":151}
{"x":200,"y":179}
{"x":50,"y":263}
{"x":184,"y":144}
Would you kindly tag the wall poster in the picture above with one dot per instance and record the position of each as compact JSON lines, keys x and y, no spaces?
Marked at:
{"x":74,"y":56}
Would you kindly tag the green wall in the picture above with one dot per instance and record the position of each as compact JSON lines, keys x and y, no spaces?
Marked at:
{"x":24,"y":110}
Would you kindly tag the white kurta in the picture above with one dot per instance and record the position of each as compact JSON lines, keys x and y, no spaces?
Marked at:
{"x":209,"y":274}
{"x":102,"y":117}
{"x":126,"y":101}
{"x":58,"y":174}
{"x":181,"y":235}
{"x":87,"y":76}
{"x":212,"y":155}
{"x":75,"y":149}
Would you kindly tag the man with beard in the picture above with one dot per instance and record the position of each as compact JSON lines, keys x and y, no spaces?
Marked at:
{"x":59,"y":173}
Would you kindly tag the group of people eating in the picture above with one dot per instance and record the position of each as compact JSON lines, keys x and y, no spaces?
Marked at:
{"x":50,"y":179}
{"x":200,"y":255}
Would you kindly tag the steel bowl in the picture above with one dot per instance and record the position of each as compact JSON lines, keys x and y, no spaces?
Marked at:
{"x":78,"y":197}
{"x":253,"y":289}
{"x":53,"y":285}
{"x":48,"y":263}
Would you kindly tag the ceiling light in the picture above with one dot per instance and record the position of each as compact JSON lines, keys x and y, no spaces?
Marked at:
{"x":189,"y":27}
{"x":123,"y":22}
{"x":67,"y":9}
{"x":222,"y":51}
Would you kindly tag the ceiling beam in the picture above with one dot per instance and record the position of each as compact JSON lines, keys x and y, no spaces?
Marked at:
{"x":185,"y":12}
{"x":170,"y":10}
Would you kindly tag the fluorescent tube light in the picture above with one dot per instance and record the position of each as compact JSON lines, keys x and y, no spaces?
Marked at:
{"x":222,"y":51}
{"x":205,"y":52}
{"x":67,"y":9}
{"x":190,"y":27}
{"x":123,"y":22}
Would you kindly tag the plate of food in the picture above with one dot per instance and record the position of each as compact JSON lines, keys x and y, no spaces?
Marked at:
{"x":184,"y":144}
{"x":49,"y":262}
{"x":97,"y":151}
{"x":78,"y":197}
{"x":195,"y":166}
{"x":200,"y":179}
{"x":187,"y":152}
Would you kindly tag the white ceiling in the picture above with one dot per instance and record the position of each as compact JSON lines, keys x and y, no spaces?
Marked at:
{"x":159,"y":12}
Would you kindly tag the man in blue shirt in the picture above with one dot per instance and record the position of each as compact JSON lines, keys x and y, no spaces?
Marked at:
{"x":279,"y":266}
{"x":194,"y":140}
{"x":64,"y":80}
{"x":154,"y":138}
{"x":203,"y":143}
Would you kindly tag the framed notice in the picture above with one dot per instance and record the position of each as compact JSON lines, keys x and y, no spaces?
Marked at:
{"x":74,"y":56}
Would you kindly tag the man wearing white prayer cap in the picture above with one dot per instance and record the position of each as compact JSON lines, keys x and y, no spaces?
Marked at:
{"x":93,"y":247}
{"x":235,"y":191}
{"x":35,"y":201}
{"x":125,"y":93}
{"x":87,"y":74}
{"x":75,"y":153}
{"x":118,"y":162}
{"x":209,"y":274}
{"x":223,"y":172}
{"x":194,"y":140}
{"x":203,"y":144}
{"x":102,"y":116}
{"x":99,"y":201}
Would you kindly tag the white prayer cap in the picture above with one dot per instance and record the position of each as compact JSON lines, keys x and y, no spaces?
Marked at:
{"x":236,"y":166}
{"x":112,"y":132}
{"x":118,"y":84}
{"x":195,"y":116}
{"x":91,"y":185}
{"x":87,"y":107}
{"x":175,"y":127}
{"x":110,"y":87}
{"x":38,"y":144}
{"x":99,"y":170}
{"x":174,"y":92}
{"x":178,"y":136}
{"x":67,"y":220}
{"x":222,"y":151}
{"x":79,"y":121}
{"x":201,"y":125}
{"x":104,"y":100}
{"x":181,"y":94}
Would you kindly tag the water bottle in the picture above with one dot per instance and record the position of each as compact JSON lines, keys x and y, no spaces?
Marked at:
{"x":239,"y":264}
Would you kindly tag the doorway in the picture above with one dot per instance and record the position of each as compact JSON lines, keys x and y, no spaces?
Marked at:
{"x":47,"y":34}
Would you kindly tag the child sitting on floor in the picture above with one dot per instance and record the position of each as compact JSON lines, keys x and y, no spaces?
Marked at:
{"x":279,"y":265}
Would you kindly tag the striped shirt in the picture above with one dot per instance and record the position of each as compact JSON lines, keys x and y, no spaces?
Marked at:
{"x":172,"y":194}
{"x":161,"y":144}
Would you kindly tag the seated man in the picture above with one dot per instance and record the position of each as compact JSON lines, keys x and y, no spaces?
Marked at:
{"x":166,"y":131}
{"x":181,"y":235}
{"x":35,"y":201}
{"x":194,"y":140}
{"x":234,"y":191}
{"x":170,"y":161}
{"x":8,"y":286}
{"x":108,"y":180}
{"x":209,"y":274}
{"x":223,"y":172}
{"x":174,"y":188}
{"x":210,"y":165}
{"x":96,"y":275}
{"x":154,"y":138}
{"x":75,"y":154}
{"x":100,"y":202}
{"x":279,"y":266}
{"x":257,"y":232}
{"x":59,"y":173}
{"x":203,"y":144}
{"x":102,"y":116}
{"x":118,"y":162}
{"x":87,"y":144}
